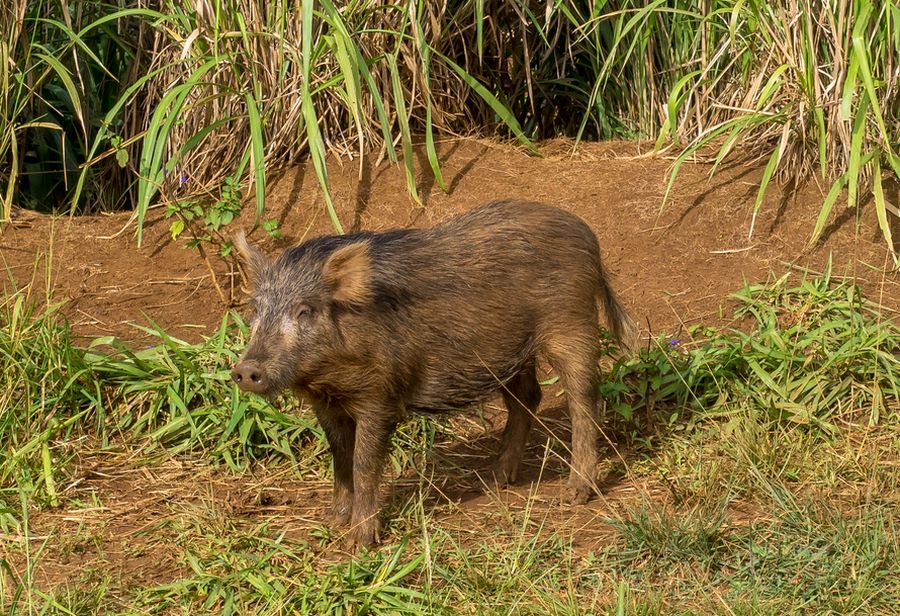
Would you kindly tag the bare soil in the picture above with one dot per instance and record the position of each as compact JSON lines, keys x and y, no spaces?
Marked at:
{"x":673,"y":267}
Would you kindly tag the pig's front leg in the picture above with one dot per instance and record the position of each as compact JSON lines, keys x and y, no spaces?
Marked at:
{"x":373,"y":439}
{"x":340,"y":429}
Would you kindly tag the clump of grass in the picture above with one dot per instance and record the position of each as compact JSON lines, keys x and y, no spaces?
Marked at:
{"x":811,"y":355}
{"x":179,"y":396}
{"x":650,"y":533}
{"x":802,"y":553}
{"x":261,"y":573}
{"x":46,"y":388}
{"x":814,"y":554}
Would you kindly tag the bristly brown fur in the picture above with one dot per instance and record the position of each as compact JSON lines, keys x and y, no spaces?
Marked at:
{"x":433,"y":320}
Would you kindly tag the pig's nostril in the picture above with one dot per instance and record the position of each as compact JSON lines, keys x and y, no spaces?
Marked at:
{"x":249,"y":376}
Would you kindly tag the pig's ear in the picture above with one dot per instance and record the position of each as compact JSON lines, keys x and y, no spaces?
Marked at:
{"x":348,"y":271}
{"x":255,"y":261}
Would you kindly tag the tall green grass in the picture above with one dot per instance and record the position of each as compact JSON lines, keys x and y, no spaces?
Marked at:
{"x":186,"y":96}
{"x":255,"y":87}
{"x":64,"y":70}
{"x":46,"y":389}
{"x":808,"y":87}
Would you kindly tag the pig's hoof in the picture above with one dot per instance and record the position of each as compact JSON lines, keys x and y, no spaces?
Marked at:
{"x":363,"y":535}
{"x":504,"y":473}
{"x":578,"y":495}
{"x":339,"y":514}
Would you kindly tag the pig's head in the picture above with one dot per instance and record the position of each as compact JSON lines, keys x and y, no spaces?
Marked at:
{"x":296,"y":299}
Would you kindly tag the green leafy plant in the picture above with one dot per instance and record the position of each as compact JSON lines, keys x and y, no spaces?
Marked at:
{"x":205,"y":221}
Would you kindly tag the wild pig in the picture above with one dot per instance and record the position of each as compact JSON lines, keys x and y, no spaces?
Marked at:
{"x":368,"y":327}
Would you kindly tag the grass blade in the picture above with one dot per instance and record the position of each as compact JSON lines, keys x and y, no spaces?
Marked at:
{"x":881,"y":208}
{"x":314,"y":136}
{"x":258,"y":154}
{"x":405,"y":136}
{"x":501,"y":110}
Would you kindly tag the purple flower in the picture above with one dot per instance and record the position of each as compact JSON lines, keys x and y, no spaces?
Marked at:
{"x":674,"y":343}
{"x":183,"y":179}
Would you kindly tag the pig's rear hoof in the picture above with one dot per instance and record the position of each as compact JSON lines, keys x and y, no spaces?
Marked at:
{"x":578,"y":495}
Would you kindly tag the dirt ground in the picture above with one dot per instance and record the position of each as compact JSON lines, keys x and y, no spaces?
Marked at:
{"x":672,"y":267}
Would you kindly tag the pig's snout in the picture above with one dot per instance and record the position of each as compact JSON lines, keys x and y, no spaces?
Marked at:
{"x":249,"y":376}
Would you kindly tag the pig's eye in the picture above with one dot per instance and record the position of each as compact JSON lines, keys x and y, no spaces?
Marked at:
{"x":304,"y":312}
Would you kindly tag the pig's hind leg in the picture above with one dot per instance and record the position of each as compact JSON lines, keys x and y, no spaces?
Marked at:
{"x":522,"y":395}
{"x":574,"y":354}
